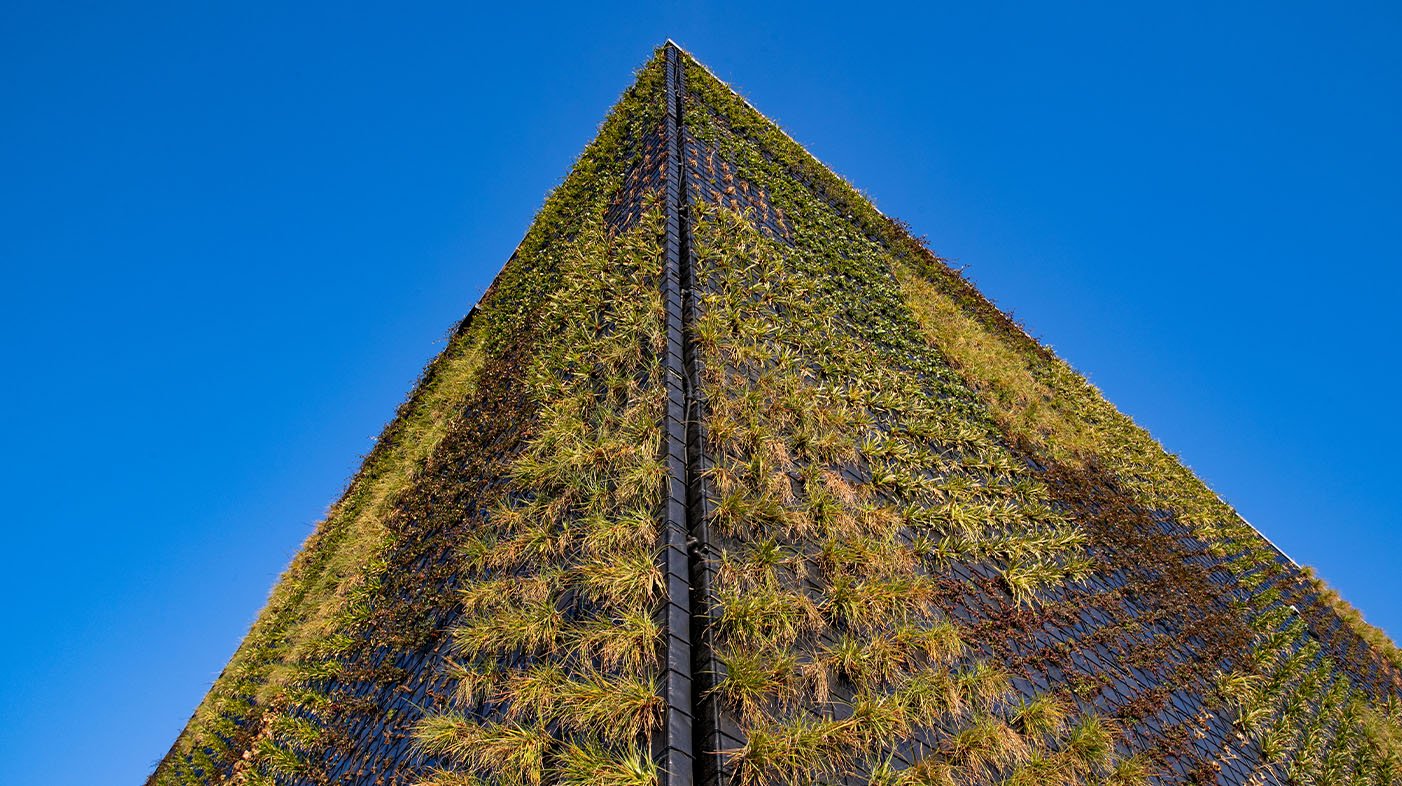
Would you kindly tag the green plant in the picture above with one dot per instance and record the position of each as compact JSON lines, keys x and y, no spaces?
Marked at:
{"x":592,"y":765}
{"x":329,"y":593}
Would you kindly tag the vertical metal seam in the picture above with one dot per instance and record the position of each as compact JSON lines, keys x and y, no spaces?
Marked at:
{"x":710,"y":736}
{"x":677,"y":743}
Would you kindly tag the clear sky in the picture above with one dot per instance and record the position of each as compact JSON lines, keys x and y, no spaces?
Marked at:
{"x":232,"y":233}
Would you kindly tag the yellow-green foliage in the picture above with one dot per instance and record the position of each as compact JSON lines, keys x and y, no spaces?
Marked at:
{"x":842,"y":481}
{"x":1043,"y":401}
{"x":801,"y":401}
{"x":323,"y":595}
{"x":1022,"y":403}
{"x":860,"y":401}
{"x":1371,"y":634}
{"x":1036,"y":400}
{"x":563,"y":570}
{"x":337,"y":564}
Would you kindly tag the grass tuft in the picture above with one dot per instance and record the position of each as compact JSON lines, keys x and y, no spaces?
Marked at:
{"x":590,"y":764}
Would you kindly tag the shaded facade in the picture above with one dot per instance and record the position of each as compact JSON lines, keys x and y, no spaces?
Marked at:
{"x":729,"y":480}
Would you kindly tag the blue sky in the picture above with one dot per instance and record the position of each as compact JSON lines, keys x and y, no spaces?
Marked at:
{"x":231,"y":234}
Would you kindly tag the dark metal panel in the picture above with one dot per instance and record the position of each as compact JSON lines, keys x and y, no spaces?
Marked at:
{"x":674,"y":747}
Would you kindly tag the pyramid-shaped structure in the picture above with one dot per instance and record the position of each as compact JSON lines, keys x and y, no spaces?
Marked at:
{"x":727,"y":480}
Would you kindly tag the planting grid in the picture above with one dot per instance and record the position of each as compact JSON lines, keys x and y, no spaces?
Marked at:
{"x":379,"y":747}
{"x":393,"y":672}
{"x":1191,"y":732}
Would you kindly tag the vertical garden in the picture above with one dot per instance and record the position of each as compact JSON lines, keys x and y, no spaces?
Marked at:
{"x":916,"y":547}
{"x":1077,"y":559}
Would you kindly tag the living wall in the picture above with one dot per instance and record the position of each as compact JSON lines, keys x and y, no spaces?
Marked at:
{"x":858,"y":486}
{"x":314,"y":693}
{"x":923,"y":550}
{"x":1299,"y":699}
{"x":1209,"y":656}
{"x":556,"y":648}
